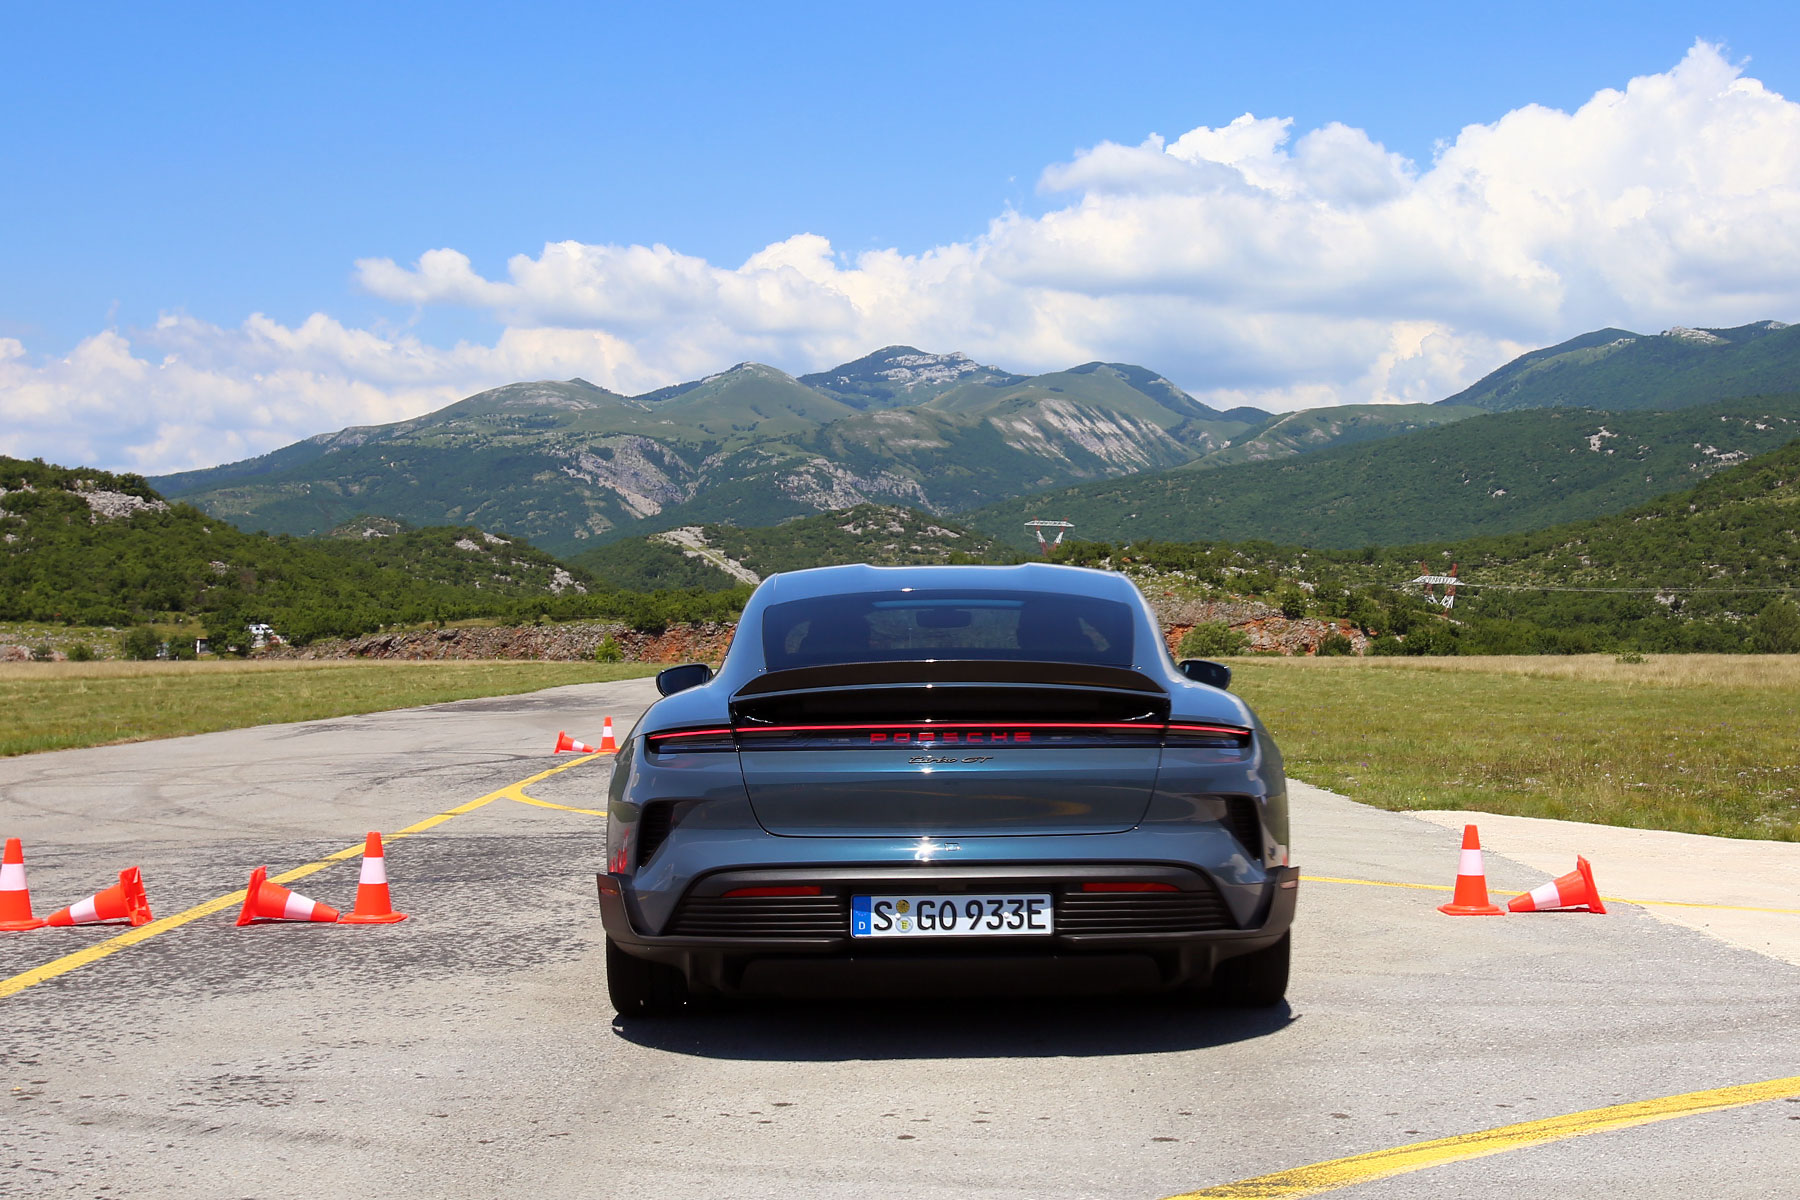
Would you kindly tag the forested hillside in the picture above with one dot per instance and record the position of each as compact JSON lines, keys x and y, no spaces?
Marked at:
{"x":1492,"y":474}
{"x":1617,"y":370}
{"x":705,"y":556}
{"x":87,"y":547}
{"x":1715,"y":568}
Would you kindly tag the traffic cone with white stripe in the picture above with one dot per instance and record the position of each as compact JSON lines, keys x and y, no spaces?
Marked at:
{"x":123,"y":901}
{"x":1471,"y":896}
{"x":568,"y":745}
{"x":607,"y":745}
{"x":265,"y":901}
{"x":1574,"y":890}
{"x":15,"y":897}
{"x":373,"y":905}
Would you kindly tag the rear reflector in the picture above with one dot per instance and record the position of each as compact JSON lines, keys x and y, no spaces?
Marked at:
{"x":773,"y":891}
{"x":1129,"y":887}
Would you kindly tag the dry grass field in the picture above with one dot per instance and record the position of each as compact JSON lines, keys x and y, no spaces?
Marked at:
{"x":56,"y":706}
{"x":1695,"y":743}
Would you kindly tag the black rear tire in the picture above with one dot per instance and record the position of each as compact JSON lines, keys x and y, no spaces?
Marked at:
{"x":1255,"y":980}
{"x":641,"y":988}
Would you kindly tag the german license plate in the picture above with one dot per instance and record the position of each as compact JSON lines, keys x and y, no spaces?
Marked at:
{"x":951,"y":916}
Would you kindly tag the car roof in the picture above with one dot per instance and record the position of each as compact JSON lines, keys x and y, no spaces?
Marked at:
{"x":1023,"y":577}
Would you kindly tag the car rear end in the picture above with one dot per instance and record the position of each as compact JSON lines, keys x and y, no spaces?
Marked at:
{"x":992,"y":813}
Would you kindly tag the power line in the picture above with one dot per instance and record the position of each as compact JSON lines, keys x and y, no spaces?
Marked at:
{"x":1645,"y":591}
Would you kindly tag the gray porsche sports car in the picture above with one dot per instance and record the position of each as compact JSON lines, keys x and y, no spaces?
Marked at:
{"x":947,"y":779}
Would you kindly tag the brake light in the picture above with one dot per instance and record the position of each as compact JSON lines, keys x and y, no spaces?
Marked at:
{"x":746,"y":892}
{"x":719,"y":738}
{"x":1129,"y":887}
{"x":1221,"y":736}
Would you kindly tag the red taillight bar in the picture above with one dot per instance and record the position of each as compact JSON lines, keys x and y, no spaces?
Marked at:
{"x":718,"y":738}
{"x":928,"y":726}
{"x":1222,"y":730}
{"x":926,"y":729}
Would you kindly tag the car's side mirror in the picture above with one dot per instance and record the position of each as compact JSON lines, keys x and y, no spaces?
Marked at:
{"x":1202,"y":670}
{"x":687,"y":675}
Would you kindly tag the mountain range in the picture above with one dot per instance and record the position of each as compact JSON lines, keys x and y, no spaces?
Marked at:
{"x":1113,"y":446}
{"x":568,"y":464}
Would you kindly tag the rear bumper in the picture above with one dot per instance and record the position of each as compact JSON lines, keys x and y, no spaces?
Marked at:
{"x":1062,"y":961}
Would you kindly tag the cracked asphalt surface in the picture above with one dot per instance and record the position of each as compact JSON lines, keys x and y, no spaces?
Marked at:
{"x":470,"y":1051}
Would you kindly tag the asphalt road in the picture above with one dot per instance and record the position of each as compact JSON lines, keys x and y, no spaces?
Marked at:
{"x":470,"y":1051}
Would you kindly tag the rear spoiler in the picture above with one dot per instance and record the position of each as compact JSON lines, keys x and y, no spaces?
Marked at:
{"x":949,"y":690}
{"x":952,"y":670}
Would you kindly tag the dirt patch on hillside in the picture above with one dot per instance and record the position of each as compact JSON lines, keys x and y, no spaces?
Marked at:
{"x":1269,"y":632}
{"x":1282,"y":635}
{"x":704,"y":642}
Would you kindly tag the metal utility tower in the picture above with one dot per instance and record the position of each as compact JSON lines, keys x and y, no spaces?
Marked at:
{"x":1431,"y":581}
{"x":1038,"y":528}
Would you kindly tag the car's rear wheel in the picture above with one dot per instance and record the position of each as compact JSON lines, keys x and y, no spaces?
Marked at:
{"x":641,"y":988}
{"x":1255,"y":980}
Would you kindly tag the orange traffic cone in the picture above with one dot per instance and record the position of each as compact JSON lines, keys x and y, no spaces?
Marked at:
{"x":15,"y":897}
{"x":1574,"y":890}
{"x":265,"y":901}
{"x":1471,"y":896}
{"x":607,"y":745}
{"x":123,"y":901}
{"x":568,"y":745}
{"x":373,"y":907}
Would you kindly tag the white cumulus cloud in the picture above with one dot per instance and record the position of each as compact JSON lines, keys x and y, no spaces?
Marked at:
{"x":1249,"y":262}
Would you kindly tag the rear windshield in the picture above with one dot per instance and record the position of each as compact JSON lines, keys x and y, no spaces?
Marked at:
{"x":916,"y":624}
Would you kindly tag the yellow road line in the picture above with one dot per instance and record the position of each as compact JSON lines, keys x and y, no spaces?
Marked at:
{"x":1439,"y":887}
{"x":522,"y":798}
{"x":1400,"y":1160}
{"x":1786,"y":912}
{"x":143,"y":933}
{"x":1423,"y":887}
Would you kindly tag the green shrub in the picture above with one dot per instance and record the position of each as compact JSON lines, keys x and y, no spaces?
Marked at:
{"x":1431,"y":637}
{"x":1335,"y":644}
{"x":1776,"y":629}
{"x":81,"y":652}
{"x":43,"y":652}
{"x":1292,"y":601}
{"x":1211,"y":639}
{"x":1388,"y":646}
{"x":609,"y":650}
{"x":140,"y":644}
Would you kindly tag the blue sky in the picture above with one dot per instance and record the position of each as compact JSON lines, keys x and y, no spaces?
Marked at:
{"x":207,"y":163}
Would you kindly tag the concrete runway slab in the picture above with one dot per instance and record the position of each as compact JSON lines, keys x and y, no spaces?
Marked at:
{"x":470,"y":1051}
